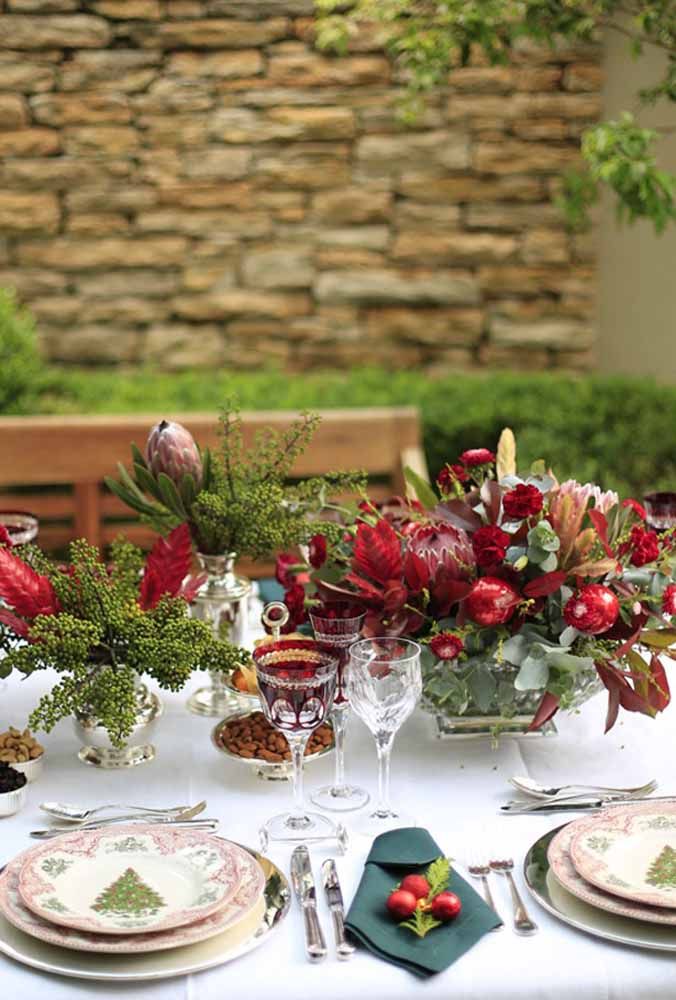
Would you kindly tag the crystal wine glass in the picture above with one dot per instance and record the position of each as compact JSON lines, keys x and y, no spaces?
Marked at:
{"x":384,"y":684}
{"x":338,"y":624}
{"x":661,"y":510}
{"x":296,"y":683}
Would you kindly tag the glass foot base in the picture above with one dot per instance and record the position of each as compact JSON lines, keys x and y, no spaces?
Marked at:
{"x":371,"y":823}
{"x":345,"y":798}
{"x":115,"y":759}
{"x":289,"y":829}
{"x":210,"y":701}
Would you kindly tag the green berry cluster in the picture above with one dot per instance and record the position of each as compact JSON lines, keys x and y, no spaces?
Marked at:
{"x":101,"y":640}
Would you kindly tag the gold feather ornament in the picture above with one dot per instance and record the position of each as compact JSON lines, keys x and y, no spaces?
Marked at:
{"x":505,"y":463}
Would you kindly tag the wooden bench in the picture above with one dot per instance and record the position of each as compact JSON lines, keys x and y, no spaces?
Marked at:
{"x":54,"y":466}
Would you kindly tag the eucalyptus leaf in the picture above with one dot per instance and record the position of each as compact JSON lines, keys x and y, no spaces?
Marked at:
{"x":533,"y":675}
{"x":515,"y":650}
{"x":568,"y":636}
{"x":482,"y":686}
{"x":569,"y":662}
{"x":550,"y":563}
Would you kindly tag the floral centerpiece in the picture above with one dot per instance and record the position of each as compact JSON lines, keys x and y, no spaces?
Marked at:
{"x":102,"y":626}
{"x":528,"y":594}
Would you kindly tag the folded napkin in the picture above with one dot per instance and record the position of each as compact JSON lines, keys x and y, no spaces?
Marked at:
{"x":393,"y":855}
{"x":270,"y":590}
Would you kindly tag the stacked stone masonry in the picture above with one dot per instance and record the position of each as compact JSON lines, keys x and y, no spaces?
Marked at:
{"x":190,"y":182}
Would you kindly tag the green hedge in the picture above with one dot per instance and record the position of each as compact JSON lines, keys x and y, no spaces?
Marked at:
{"x":619,"y":432}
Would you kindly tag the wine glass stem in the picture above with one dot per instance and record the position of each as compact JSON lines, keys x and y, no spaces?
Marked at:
{"x":297,"y":743}
{"x":339,"y":719}
{"x":384,"y":743}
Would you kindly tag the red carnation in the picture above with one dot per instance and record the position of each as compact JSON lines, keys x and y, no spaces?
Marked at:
{"x":669,"y":600}
{"x":645,"y":546}
{"x":294,"y":598}
{"x":447,"y":646}
{"x":637,"y":508}
{"x":449,"y":476}
{"x":523,"y":501}
{"x":317,"y":551}
{"x":594,"y":609}
{"x":477,"y":456}
{"x":283,"y":574}
{"x":490,"y":545}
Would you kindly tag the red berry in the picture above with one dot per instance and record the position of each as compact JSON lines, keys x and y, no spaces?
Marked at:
{"x":401,"y":904}
{"x":417,"y":884}
{"x":445,"y":906}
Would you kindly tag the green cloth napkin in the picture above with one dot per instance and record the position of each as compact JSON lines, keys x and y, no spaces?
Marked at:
{"x":270,"y":590}
{"x":393,"y":855}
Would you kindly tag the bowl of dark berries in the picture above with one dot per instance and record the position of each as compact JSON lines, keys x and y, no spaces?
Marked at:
{"x":12,"y":790}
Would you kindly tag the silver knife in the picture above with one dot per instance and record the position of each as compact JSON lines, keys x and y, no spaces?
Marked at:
{"x":581,"y":805}
{"x":303,"y":884}
{"x":334,"y":898}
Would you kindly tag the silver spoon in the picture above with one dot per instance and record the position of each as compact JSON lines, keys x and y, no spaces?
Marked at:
{"x":78,"y":814}
{"x":538,"y":791}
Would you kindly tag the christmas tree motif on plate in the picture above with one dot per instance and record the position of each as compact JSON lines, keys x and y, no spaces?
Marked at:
{"x":662,"y":871}
{"x":129,"y":895}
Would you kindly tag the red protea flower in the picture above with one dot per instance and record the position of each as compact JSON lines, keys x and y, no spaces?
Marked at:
{"x":447,"y":646}
{"x":593,"y":610}
{"x":171,"y":449}
{"x":442,"y":545}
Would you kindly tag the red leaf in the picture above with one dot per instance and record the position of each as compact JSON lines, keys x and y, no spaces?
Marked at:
{"x":459,"y":514}
{"x":17,"y":625}
{"x":601,"y":524}
{"x":548,"y":707}
{"x":367,"y":591}
{"x":659,"y":694}
{"x":621,"y":693}
{"x":541,"y":586}
{"x":416,"y":572}
{"x":447,"y":591}
{"x":191,"y":586}
{"x":167,"y":565}
{"x":27,"y":592}
{"x":377,"y":552}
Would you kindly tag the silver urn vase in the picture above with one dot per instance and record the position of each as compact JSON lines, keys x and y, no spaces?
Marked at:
{"x":98,"y":749}
{"x":223,"y":602}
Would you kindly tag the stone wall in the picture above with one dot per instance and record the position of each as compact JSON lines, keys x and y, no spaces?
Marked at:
{"x":190,"y":182}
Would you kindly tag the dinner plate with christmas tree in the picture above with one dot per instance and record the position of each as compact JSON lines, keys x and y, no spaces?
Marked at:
{"x":133,"y":879}
{"x":630,"y":851}
{"x":246,"y":904}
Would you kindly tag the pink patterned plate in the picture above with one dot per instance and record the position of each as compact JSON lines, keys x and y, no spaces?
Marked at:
{"x":246,"y":902}
{"x":630,"y":851}
{"x":562,"y":867}
{"x":131,"y":879}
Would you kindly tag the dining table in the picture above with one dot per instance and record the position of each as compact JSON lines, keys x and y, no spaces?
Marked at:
{"x":453,"y":787}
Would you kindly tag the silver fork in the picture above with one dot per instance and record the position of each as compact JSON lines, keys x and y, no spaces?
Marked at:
{"x":481,"y":870}
{"x":522,"y":920}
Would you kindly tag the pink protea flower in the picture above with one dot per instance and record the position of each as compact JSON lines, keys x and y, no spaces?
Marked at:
{"x":171,"y":449}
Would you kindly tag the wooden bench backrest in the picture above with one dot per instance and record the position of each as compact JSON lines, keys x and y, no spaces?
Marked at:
{"x":54,"y":466}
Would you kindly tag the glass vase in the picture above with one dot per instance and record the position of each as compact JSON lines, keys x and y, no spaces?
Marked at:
{"x":98,"y":749}
{"x":477,"y":697}
{"x":223,"y":602}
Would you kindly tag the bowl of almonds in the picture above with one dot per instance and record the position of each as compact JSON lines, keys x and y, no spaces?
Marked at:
{"x":21,"y":751}
{"x":248,"y":737}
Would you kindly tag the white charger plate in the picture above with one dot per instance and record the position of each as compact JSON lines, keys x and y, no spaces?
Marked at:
{"x":225,"y":947}
{"x":630,"y":851}
{"x":550,"y":894}
{"x":130,"y":879}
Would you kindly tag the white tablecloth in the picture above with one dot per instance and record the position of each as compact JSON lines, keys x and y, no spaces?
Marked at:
{"x":452,"y":787}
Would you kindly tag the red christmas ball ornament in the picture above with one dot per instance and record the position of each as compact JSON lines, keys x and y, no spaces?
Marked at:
{"x":401,"y":904}
{"x":593,"y":610}
{"x":491,"y":601}
{"x":446,"y":906}
{"x":416,"y":884}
